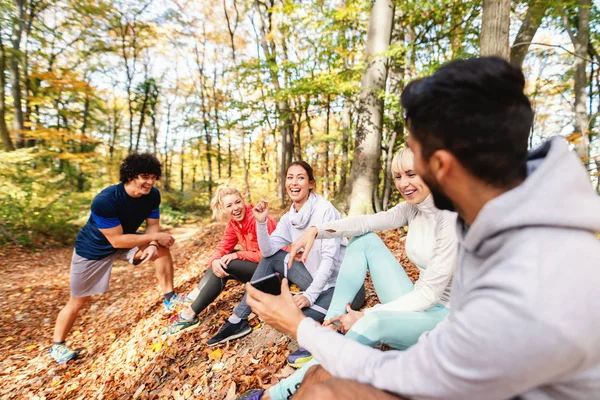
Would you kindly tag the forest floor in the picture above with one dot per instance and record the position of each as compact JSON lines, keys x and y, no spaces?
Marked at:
{"x":121,"y":355}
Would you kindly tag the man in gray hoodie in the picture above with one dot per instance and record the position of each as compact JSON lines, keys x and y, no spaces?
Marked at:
{"x":524,"y":320}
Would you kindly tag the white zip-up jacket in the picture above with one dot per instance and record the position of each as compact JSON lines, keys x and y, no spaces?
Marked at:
{"x":431,"y":245}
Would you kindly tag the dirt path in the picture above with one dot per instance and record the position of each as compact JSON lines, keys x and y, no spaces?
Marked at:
{"x":121,"y":355}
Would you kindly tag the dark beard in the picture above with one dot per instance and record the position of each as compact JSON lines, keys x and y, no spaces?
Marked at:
{"x":440,"y":200}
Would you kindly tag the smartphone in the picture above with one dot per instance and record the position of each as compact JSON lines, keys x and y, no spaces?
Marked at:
{"x":269,"y":284}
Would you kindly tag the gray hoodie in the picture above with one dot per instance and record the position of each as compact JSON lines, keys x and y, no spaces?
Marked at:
{"x":524,"y":319}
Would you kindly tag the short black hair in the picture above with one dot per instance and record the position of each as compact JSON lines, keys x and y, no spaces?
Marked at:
{"x":136,"y":164}
{"x":476,"y":109}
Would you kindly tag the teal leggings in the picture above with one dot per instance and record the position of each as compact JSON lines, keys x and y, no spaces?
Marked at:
{"x":399,"y":330}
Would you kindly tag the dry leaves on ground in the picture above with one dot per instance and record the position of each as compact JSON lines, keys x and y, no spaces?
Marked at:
{"x":122,"y":356}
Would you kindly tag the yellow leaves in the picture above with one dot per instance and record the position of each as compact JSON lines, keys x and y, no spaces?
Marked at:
{"x":62,"y":80}
{"x":31,"y":347}
{"x":216,"y":355}
{"x":27,"y":290}
{"x":77,"y":332}
{"x":574,"y":137}
{"x":156,"y":347}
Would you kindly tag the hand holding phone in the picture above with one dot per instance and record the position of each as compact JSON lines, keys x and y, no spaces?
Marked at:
{"x":269,"y":284}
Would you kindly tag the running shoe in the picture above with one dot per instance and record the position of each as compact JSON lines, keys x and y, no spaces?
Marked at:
{"x":176,"y":300}
{"x":61,"y":353}
{"x":298,"y":358}
{"x":230,"y":331}
{"x":178,"y":324}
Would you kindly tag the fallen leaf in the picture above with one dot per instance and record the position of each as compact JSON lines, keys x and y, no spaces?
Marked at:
{"x":231,"y":392}
{"x":218,"y":366}
{"x":139,"y":391}
{"x":157,"y":346}
{"x":216,"y":355}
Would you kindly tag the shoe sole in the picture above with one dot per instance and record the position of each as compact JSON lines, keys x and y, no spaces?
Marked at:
{"x":300,"y":363}
{"x":236,"y":336}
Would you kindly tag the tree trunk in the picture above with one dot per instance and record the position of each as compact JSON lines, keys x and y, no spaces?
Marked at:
{"x":387,"y":180}
{"x":580,"y":43}
{"x":229,"y":155}
{"x":204,"y":110}
{"x":216,"y":104}
{"x":232,"y":28}
{"x":495,"y":24}
{"x":15,"y":75}
{"x":245,"y":166}
{"x":346,"y":122}
{"x":181,"y":173}
{"x":297,"y":131}
{"x":397,"y":73}
{"x":167,"y":162}
{"x":531,"y":23}
{"x":367,"y":149}
{"x":147,"y":87}
{"x":282,"y":106}
{"x":326,"y":151}
{"x":6,"y":140}
{"x":597,"y":161}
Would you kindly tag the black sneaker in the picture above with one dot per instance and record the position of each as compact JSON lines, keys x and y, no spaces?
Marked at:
{"x":230,"y":331}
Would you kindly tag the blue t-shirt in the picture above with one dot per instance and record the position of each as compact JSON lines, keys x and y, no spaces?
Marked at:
{"x":113,"y":207}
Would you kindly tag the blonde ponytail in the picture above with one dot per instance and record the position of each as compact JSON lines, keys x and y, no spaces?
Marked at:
{"x":216,"y":204}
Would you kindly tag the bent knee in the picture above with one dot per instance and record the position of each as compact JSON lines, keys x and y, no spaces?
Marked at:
{"x":363,"y":240}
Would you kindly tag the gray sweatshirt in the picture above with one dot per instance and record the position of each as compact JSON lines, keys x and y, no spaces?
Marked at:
{"x":524,"y":319}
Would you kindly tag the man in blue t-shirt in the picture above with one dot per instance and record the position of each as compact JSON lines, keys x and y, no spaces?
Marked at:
{"x":110,"y":235}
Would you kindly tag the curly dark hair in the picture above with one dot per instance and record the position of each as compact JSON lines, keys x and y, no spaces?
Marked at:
{"x":476,"y":109}
{"x":136,"y":164}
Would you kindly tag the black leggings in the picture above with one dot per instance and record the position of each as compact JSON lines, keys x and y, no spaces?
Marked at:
{"x":211,"y":286}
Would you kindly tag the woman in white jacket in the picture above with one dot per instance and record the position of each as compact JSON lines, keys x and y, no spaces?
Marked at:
{"x":406,"y":310}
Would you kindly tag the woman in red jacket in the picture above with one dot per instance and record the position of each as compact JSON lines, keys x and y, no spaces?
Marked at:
{"x":225,"y":263}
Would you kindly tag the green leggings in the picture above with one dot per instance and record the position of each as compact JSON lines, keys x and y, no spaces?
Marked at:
{"x":399,"y":330}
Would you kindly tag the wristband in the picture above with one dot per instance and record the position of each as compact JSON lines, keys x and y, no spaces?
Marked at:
{"x":153,"y":244}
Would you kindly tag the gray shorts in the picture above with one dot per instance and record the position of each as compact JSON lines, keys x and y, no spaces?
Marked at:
{"x":90,"y":277}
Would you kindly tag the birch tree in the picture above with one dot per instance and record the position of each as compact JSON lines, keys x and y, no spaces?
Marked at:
{"x":367,"y":150}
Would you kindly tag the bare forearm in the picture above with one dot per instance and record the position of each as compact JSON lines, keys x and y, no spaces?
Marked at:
{"x":132,"y":240}
{"x":152,"y":229}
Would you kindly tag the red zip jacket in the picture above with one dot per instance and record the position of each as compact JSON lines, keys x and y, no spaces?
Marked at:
{"x":244,"y":233}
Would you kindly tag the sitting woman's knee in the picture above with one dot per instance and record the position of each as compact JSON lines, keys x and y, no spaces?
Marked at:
{"x":363,"y":239}
{"x":368,"y":328}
